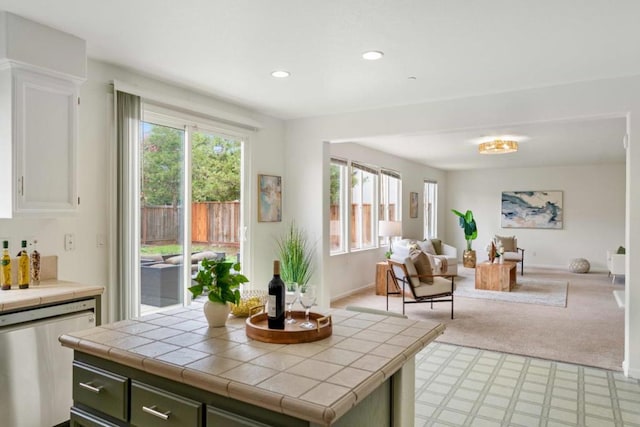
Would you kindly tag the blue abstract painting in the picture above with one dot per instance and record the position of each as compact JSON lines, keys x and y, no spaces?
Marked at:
{"x":532,"y":209}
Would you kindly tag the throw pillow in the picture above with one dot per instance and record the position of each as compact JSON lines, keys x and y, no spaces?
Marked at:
{"x":427,"y":246}
{"x":437,"y":245}
{"x":621,"y":250}
{"x":509,"y":243}
{"x":423,"y":266}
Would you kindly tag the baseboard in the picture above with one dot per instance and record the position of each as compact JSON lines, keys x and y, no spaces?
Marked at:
{"x":353,"y":291}
{"x":631,"y":373}
{"x":619,"y":296}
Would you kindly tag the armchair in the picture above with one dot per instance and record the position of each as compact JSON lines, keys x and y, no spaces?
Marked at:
{"x":423,"y":287}
{"x":615,"y":264}
{"x":511,"y":250}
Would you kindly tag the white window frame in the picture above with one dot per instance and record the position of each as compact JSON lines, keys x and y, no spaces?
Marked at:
{"x":383,"y":207}
{"x":362,"y":168}
{"x":430,"y":193}
{"x":343,"y":206}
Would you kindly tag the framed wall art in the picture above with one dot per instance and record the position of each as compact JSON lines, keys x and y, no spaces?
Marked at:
{"x":413,"y":205}
{"x":269,"y":198}
{"x":532,"y":209}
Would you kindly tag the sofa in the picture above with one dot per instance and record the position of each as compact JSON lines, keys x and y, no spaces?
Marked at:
{"x":434,"y":248}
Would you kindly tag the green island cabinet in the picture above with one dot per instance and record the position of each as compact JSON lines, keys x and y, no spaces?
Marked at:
{"x":373,"y":383}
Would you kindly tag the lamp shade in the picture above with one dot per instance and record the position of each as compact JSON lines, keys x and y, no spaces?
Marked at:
{"x":389,"y":228}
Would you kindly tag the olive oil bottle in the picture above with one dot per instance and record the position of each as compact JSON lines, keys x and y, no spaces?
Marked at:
{"x":23,"y":267}
{"x":5,"y":264}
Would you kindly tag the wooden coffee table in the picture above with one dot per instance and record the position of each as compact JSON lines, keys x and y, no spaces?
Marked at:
{"x":496,"y":277}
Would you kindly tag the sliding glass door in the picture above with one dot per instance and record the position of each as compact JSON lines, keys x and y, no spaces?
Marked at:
{"x":189,"y":195}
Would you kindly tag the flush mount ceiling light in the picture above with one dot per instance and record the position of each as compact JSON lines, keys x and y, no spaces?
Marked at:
{"x":372,"y":55}
{"x":280,"y":74}
{"x":498,"y":146}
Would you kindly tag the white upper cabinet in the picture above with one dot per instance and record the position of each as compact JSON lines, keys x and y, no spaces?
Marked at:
{"x":45,"y":144}
{"x":41,"y":70}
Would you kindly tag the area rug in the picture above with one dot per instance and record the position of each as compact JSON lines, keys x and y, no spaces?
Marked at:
{"x":526,"y":290}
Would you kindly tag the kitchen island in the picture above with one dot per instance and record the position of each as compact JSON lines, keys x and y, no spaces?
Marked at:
{"x":171,"y":365}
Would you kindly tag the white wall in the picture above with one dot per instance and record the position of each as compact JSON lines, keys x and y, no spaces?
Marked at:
{"x":89,"y":263}
{"x":593,"y":202}
{"x":352,"y":271}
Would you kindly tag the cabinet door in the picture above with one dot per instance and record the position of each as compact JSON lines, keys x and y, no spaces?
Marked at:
{"x":220,"y":418}
{"x":80,"y":418}
{"x":45,"y":138}
{"x":101,"y":390}
{"x":151,"y":406}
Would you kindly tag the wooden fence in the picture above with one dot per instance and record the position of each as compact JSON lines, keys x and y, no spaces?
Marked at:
{"x":212,"y":223}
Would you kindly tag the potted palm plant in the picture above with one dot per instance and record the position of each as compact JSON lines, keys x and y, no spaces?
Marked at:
{"x":468,"y":224}
{"x":221,"y":281}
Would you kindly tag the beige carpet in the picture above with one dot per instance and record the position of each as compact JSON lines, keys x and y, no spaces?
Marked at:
{"x":589,"y":331}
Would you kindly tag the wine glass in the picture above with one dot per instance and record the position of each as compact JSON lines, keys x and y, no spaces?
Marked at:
{"x":307,"y":296}
{"x":291,"y":298}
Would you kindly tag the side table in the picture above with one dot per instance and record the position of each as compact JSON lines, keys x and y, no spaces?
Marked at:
{"x":381,"y":278}
{"x":496,"y":277}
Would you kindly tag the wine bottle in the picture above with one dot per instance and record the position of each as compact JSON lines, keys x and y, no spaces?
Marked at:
{"x":275,"y":319}
{"x":35,"y":265}
{"x":5,"y":277}
{"x":23,"y":267}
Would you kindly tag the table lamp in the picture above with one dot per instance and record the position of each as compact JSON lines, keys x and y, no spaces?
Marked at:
{"x":389,"y":229}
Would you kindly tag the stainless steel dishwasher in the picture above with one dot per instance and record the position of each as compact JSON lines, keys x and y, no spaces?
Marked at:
{"x":35,"y":370}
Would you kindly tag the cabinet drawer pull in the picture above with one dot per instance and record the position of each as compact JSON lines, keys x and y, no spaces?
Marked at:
{"x":91,"y":387}
{"x":152,"y":410}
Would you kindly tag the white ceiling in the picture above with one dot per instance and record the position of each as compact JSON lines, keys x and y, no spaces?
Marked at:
{"x":454,"y":49}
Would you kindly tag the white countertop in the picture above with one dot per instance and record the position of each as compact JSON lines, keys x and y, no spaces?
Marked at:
{"x":47,"y":292}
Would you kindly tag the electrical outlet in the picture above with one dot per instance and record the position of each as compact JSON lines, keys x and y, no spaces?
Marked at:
{"x":69,"y":242}
{"x":100,"y":240}
{"x":533,"y":253}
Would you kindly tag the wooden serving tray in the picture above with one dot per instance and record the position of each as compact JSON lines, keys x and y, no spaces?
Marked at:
{"x":257,"y":329}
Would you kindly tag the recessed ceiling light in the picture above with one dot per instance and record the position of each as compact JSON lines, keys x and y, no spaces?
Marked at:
{"x":372,"y":55}
{"x":280,"y":74}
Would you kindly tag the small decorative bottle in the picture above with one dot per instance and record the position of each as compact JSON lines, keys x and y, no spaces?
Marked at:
{"x":5,"y":277}
{"x":35,"y":265}
{"x":23,"y":267}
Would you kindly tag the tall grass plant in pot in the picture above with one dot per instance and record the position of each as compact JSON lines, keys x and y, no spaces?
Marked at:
{"x":296,"y":255}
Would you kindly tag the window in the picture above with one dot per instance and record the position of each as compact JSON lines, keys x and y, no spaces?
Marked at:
{"x":390,"y":201}
{"x":338,"y":206}
{"x":430,"y":209}
{"x":363,"y":199}
{"x":390,"y":190}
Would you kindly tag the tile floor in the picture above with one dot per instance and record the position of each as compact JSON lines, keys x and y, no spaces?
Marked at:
{"x":462,"y":386}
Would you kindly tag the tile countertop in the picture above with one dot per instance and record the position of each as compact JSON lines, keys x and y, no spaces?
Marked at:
{"x":318,"y":381}
{"x":47,"y":292}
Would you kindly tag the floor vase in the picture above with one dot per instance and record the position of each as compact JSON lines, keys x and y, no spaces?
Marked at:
{"x":469,"y":258}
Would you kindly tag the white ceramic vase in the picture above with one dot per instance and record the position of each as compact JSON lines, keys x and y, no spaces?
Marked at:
{"x":216,"y":313}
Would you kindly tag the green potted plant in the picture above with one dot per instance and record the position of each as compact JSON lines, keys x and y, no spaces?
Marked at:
{"x":296,"y":256}
{"x":221,"y":281}
{"x":468,"y":224}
